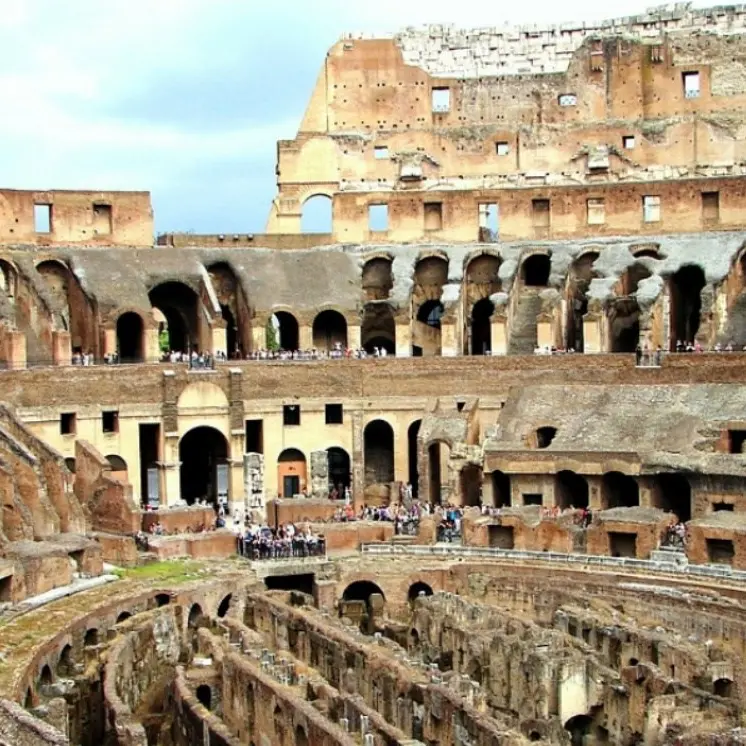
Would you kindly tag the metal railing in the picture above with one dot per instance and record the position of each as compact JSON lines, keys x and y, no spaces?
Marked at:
{"x":445,"y":550}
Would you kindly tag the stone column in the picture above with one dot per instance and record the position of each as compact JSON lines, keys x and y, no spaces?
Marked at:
{"x":108,"y":342}
{"x":449,"y":340}
{"x":151,"y":345}
{"x":305,"y":337}
{"x":403,"y":339}
{"x":253,"y":464}
{"x":358,"y":473}
{"x":219,"y":342}
{"x":171,"y":482}
{"x":258,"y":335}
{"x":544,"y":334}
{"x":61,"y":348}
{"x":353,"y":336}
{"x":592,"y":334}
{"x":319,"y":474}
{"x":499,"y":333}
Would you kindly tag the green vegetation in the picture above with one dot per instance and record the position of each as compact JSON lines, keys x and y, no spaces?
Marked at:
{"x":272,"y":342}
{"x":170,"y":570}
{"x":164,"y":342}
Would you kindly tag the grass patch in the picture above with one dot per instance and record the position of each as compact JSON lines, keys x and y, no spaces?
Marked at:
{"x":169,"y":570}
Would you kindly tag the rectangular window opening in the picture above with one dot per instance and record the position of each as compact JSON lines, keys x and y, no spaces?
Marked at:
{"x":628,"y":142}
{"x":540,"y":213}
{"x":722,"y":507}
{"x":736,"y":441}
{"x":334,"y":414}
{"x":441,"y":100}
{"x":533,"y":499}
{"x":489,"y":222}
{"x":102,"y":219}
{"x":43,"y":218}
{"x":691,"y":84}
{"x":568,"y":99}
{"x":711,"y":207}
{"x":433,"y":216}
{"x":291,"y":415}
{"x":502,"y":148}
{"x":110,"y":422}
{"x":68,"y":423}
{"x":622,"y":544}
{"x":381,"y":152}
{"x":254,"y":436}
{"x":596,"y":211}
{"x":651,"y":209}
{"x":378,"y":218}
{"x":501,"y":537}
{"x":720,"y":551}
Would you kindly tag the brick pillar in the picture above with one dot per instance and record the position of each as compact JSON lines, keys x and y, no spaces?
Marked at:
{"x":219,"y":338}
{"x":151,"y":346}
{"x":61,"y":348}
{"x":592,"y":334}
{"x":15,"y":346}
{"x":499,"y":333}
{"x":305,"y":337}
{"x":109,"y":341}
{"x":449,"y":340}
{"x":403,"y":339}
{"x":353,"y":336}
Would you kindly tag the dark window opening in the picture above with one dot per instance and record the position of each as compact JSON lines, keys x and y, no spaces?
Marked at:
{"x":162,"y":599}
{"x":736,"y":441}
{"x":722,"y":507}
{"x":711,"y":207}
{"x":720,"y":551}
{"x":70,"y":464}
{"x":481,"y":327}
{"x":501,"y":537}
{"x":433,"y":216}
{"x":430,"y":313}
{"x":418,"y":588}
{"x":338,"y":465}
{"x":545,"y":436}
{"x":412,"y":433}
{"x":130,"y":338}
{"x":110,"y":422}
{"x":571,"y":490}
{"x":301,"y":583}
{"x":673,"y":493}
{"x":291,"y":415}
{"x":686,"y":303}
{"x":204,"y":454}
{"x":285,"y":331}
{"x":123,"y":617}
{"x":91,"y":638}
{"x":68,"y":423}
{"x":501,"y":490}
{"x":224,"y":606}
{"x":149,"y":438}
{"x":619,"y":491}
{"x":334,"y":414}
{"x":536,"y":270}
{"x":204,"y":696}
{"x":723,"y":688}
{"x":254,"y":436}
{"x":622,"y":544}
{"x":533,"y":499}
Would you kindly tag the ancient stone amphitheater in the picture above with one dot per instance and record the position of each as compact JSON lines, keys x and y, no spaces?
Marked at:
{"x":528,"y":302}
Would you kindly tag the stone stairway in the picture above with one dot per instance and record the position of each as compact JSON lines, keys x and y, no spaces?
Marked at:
{"x":522,"y":339}
{"x":669,"y":556}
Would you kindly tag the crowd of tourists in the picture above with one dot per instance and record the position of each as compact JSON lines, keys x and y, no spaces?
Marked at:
{"x":338,"y":352}
{"x":259,"y":542}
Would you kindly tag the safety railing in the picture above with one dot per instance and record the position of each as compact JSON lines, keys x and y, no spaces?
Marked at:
{"x":444,"y":550}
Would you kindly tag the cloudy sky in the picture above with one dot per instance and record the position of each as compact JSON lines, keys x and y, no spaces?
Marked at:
{"x":187,"y":98}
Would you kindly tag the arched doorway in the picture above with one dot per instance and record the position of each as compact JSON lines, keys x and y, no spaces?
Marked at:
{"x":673,"y":493}
{"x":686,"y":303}
{"x":378,"y":328}
{"x":291,"y":472}
{"x":624,"y":310}
{"x":224,"y":606}
{"x":378,"y":457}
{"x":377,"y":279}
{"x":578,"y":284}
{"x":338,"y":461}
{"x":619,"y":491}
{"x":317,"y":214}
{"x":414,"y":478}
{"x":179,"y":305}
{"x":329,"y":331}
{"x":361,"y":590}
{"x":416,"y":589}
{"x":130,"y":338}
{"x":196,"y":616}
{"x":579,"y":727}
{"x":481,"y":327}
{"x":571,"y":490}
{"x":430,"y":276}
{"x":535,"y":270}
{"x":204,"y":455}
{"x":286,"y":330}
{"x":204,"y":696}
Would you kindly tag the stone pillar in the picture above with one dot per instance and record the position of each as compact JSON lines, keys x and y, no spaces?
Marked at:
{"x":403,"y":339}
{"x":320,"y":474}
{"x":108,"y":342}
{"x":171,"y":482}
{"x":353,"y":336}
{"x":219,"y":342}
{"x":499,"y":333}
{"x":449,"y":340}
{"x":253,"y":470}
{"x":358,"y":473}
{"x":61,"y":348}
{"x":305,"y":337}
{"x":151,"y":346}
{"x":544,"y":334}
{"x":15,"y":349}
{"x":594,"y":493}
{"x":592,"y":335}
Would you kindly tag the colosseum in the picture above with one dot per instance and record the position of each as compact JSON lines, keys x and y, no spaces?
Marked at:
{"x":467,"y":468}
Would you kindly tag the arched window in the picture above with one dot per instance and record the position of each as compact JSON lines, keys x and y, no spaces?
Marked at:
{"x":317,"y":215}
{"x":536,"y":270}
{"x":330,"y":331}
{"x":130,"y":338}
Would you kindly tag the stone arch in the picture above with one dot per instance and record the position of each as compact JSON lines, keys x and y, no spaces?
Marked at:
{"x":619,"y":491}
{"x":70,"y":464}
{"x":416,"y":588}
{"x":90,"y":639}
{"x":234,"y":308}
{"x":624,"y":310}
{"x":339,"y":469}
{"x":204,"y":453}
{"x":536,"y":269}
{"x":543,"y":436}
{"x":196,"y":616}
{"x":377,"y":279}
{"x":162,"y":599}
{"x":430,"y":276}
{"x":118,"y":467}
{"x":224,"y":606}
{"x":579,"y":726}
{"x":330,"y":331}
{"x":413,"y":432}
{"x":130,"y":329}
{"x":123,"y":617}
{"x":291,"y":472}
{"x":301,"y":739}
{"x":179,"y":304}
{"x":571,"y":490}
{"x":8,"y":279}
{"x":378,"y":328}
{"x":481,"y":327}
{"x":288,"y":331}
{"x":378,"y":458}
{"x":204,"y":696}
{"x":361,"y":590}
{"x":685,"y":287}
{"x":65,"y":661}
{"x":578,"y":283}
{"x":45,"y":676}
{"x":723,"y":687}
{"x":317,"y":214}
